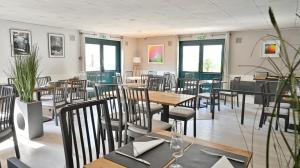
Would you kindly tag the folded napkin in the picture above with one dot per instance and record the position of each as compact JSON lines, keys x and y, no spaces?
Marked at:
{"x":222,"y":163}
{"x":142,"y":147}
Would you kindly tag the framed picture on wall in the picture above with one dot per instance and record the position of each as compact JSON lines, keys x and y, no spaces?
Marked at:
{"x":156,"y":54}
{"x":271,"y":48}
{"x":20,"y":42}
{"x":56,"y":45}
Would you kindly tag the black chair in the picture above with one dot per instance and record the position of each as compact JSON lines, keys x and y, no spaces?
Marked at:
{"x":82,"y":132}
{"x":152,"y":73}
{"x":156,"y":83}
{"x":7,"y":127}
{"x":186,"y":110}
{"x":168,"y":81}
{"x":233,"y":84}
{"x":117,"y":80}
{"x":144,"y":78}
{"x":15,"y":163}
{"x":282,"y":109}
{"x":110,"y":93}
{"x":58,"y":100}
{"x":216,"y":84}
{"x":11,"y":82}
{"x":138,"y":117}
{"x":78,"y":91}
{"x":6,"y":90}
{"x":42,"y":82}
{"x":128,"y":74}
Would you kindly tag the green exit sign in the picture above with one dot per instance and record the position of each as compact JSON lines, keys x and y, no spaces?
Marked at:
{"x":103,"y":36}
{"x":201,"y":36}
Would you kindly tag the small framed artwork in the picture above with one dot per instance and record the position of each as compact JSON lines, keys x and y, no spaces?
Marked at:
{"x":20,"y":42}
{"x":156,"y":53}
{"x":56,"y":45}
{"x":271,"y":48}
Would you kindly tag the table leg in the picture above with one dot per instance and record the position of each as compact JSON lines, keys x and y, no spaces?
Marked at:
{"x":243,"y":108}
{"x":165,"y":114}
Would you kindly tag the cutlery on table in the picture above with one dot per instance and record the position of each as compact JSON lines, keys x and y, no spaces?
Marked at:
{"x":154,"y":137}
{"x":134,"y":158}
{"x":220,"y":155}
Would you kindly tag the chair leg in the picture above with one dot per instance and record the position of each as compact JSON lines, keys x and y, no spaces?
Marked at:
{"x":185,"y":125}
{"x":231,"y":102}
{"x":120,"y":138}
{"x":195,"y":127}
{"x":225,"y":99}
{"x":219,"y":103}
{"x":117,"y":135}
{"x":262,"y":118}
{"x":237,"y":100}
{"x":16,"y":144}
{"x":56,"y":117}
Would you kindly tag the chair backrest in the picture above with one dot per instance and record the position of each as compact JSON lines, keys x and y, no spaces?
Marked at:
{"x":152,"y":73}
{"x":7,"y":104}
{"x":42,"y":81}
{"x":144,"y":78}
{"x":59,"y":93}
{"x":11,"y":81}
{"x":188,"y":86}
{"x":117,"y":80}
{"x":78,"y":90}
{"x":82,"y":132}
{"x":233,"y":84}
{"x":136,"y":104}
{"x":168,"y":80}
{"x":111,"y":94}
{"x":156,"y":83}
{"x":216,"y":84}
{"x":6,"y":90}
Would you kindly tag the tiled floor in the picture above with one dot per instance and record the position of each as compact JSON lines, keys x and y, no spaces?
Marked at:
{"x":47,"y":151}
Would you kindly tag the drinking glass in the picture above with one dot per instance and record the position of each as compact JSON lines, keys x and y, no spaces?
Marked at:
{"x":176,"y":144}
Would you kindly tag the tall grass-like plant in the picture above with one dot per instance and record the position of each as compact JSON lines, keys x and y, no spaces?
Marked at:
{"x":287,"y":80}
{"x":24,"y":73}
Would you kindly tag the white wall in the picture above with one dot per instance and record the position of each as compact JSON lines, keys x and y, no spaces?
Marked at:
{"x":170,"y":57}
{"x":57,"y":68}
{"x":240,"y":53}
{"x":130,"y":50}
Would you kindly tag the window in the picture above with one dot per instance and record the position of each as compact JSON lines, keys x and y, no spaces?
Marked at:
{"x":92,"y":57}
{"x":212,"y":58}
{"x":109,"y":57}
{"x":190,"y":59}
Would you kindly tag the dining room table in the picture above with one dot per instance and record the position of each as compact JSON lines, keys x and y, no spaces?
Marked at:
{"x":197,"y":152}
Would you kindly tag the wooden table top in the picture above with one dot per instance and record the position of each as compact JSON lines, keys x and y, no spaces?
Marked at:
{"x":168,"y":98}
{"x":104,"y":163}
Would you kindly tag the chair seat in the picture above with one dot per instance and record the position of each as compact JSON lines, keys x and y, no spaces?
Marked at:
{"x":228,"y":93}
{"x":282,"y":111}
{"x":156,"y":126}
{"x":282,"y":105}
{"x":115,"y":123}
{"x":155,"y":108}
{"x":204,"y":95}
{"x":184,"y":112}
{"x":49,"y":103}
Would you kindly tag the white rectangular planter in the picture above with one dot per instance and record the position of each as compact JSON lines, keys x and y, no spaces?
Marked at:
{"x":28,"y":119}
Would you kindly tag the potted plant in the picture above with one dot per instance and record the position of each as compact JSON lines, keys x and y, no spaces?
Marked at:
{"x":28,"y":112}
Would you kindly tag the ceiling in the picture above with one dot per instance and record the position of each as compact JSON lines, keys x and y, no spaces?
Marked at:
{"x":142,"y":18}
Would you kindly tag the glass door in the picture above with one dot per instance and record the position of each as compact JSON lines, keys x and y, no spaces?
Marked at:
{"x":102,"y":59}
{"x":201,"y":59}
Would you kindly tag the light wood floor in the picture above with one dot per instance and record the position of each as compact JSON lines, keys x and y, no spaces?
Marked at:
{"x":47,"y":151}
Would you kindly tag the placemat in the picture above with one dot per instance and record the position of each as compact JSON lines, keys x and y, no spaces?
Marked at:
{"x":158,"y":156}
{"x":193,"y":157}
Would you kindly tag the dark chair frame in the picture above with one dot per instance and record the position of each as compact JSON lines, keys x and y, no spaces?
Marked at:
{"x":70,"y":140}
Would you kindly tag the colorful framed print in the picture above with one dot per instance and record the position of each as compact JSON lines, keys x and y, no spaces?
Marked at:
{"x":56,"y":45}
{"x":271,"y":48}
{"x":20,"y":42}
{"x":156,"y":53}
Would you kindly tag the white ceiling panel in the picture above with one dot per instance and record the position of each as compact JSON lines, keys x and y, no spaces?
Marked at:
{"x":140,"y":18}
